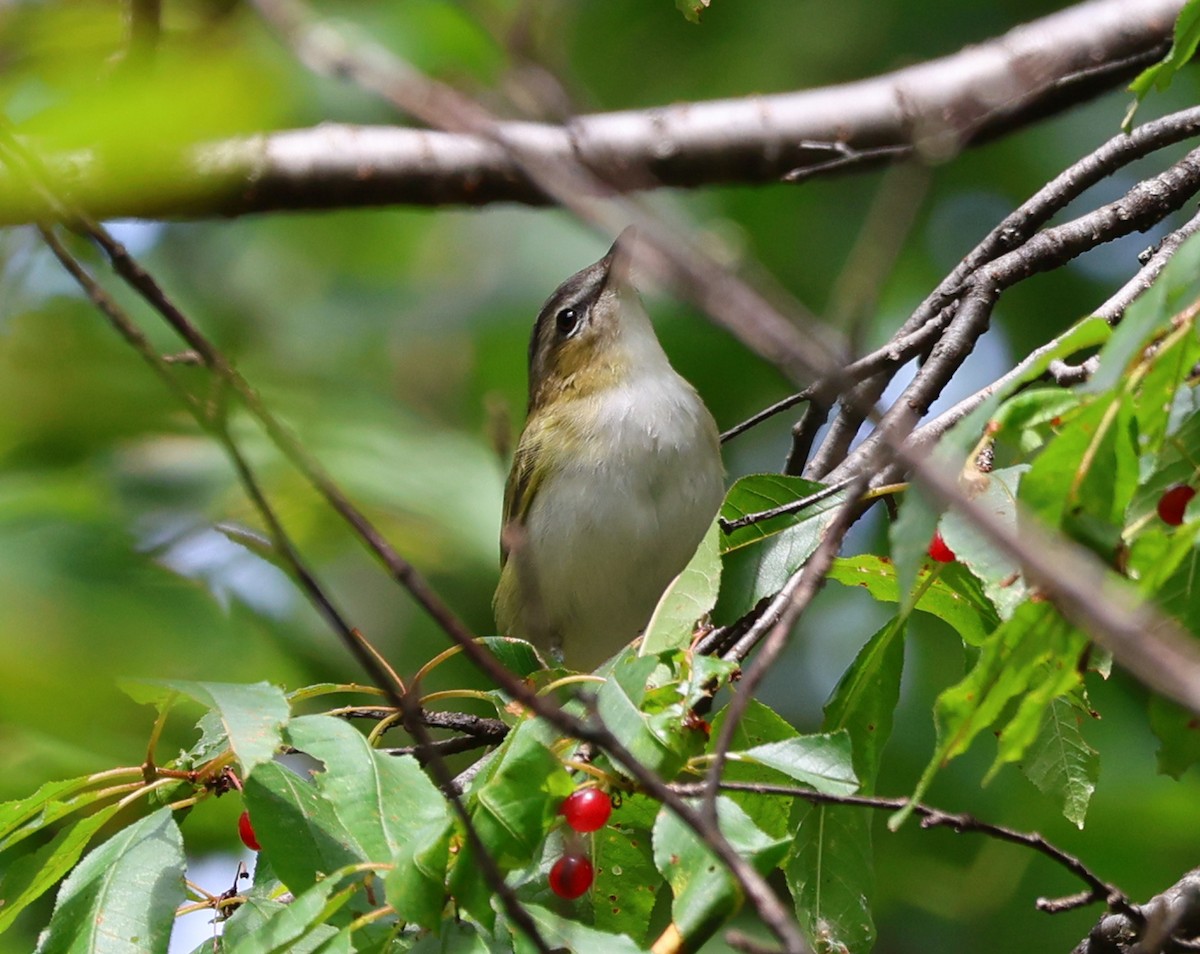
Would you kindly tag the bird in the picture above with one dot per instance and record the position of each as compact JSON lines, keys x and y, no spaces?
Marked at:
{"x":616,"y":477}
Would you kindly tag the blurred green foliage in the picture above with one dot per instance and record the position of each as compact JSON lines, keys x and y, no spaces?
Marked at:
{"x":393,"y":342}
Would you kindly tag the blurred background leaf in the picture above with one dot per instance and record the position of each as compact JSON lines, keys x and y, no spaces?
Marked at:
{"x":393,"y":341}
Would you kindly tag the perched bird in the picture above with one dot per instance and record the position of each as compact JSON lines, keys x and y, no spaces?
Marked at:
{"x":616,"y":477}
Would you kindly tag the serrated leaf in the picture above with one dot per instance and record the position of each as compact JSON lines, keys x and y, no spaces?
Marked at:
{"x":830,"y":871}
{"x":705,"y":894}
{"x":1061,"y":764}
{"x":910,"y":533}
{"x":760,"y":557}
{"x":252,"y":716}
{"x":382,"y":801}
{"x":121,"y":898}
{"x":690,"y":597}
{"x":263,"y":926}
{"x":1149,"y":313}
{"x":565,"y":934}
{"x":1178,"y":733}
{"x":758,"y":725}
{"x":23,"y":817}
{"x":1029,"y":410}
{"x":512,"y":804}
{"x":1089,"y":469}
{"x":1163,"y":389}
{"x":520,"y":799}
{"x":957,"y":601}
{"x":999,"y":572}
{"x":1183,"y":48}
{"x":619,"y":703}
{"x":757,"y":493}
{"x":32,"y":875}
{"x":416,"y":885}
{"x":297,"y":826}
{"x":823,"y":762}
{"x":627,"y":882}
{"x":1034,"y":641}
{"x":831,"y":876}
{"x":864,"y":700}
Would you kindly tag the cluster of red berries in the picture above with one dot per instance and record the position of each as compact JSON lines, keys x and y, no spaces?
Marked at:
{"x":584,"y":810}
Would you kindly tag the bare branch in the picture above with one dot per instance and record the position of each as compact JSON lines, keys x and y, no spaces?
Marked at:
{"x":1168,"y":922}
{"x":1098,"y":889}
{"x":933,"y":109}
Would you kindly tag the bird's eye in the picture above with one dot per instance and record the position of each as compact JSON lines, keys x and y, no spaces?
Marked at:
{"x":567,"y":321}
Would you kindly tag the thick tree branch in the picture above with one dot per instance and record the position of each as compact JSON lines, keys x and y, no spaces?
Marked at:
{"x":933,"y":110}
{"x":1168,"y":922}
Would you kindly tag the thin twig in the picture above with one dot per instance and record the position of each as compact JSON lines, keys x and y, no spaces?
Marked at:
{"x":932,"y":817}
{"x":773,"y":629}
{"x":795,"y":506}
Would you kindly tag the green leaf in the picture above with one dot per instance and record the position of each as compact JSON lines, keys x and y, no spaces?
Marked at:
{"x":264,"y":926}
{"x":822,"y":762}
{"x":53,"y":800}
{"x":864,"y":700}
{"x":1061,"y":763}
{"x":512,"y":804}
{"x":32,"y":875}
{"x":953,"y":596}
{"x":252,"y":716}
{"x":757,"y":493}
{"x":121,"y":898}
{"x":760,"y":557}
{"x":831,"y":876}
{"x":758,"y":725}
{"x":565,"y":934}
{"x":1036,"y":647}
{"x":297,"y":826}
{"x":1159,"y":76}
{"x":514,"y":807}
{"x":515,"y":655}
{"x":830,"y":870}
{"x":689,"y":598}
{"x":416,"y":885}
{"x":911,"y":532}
{"x":1178,"y":733}
{"x":1089,"y":468}
{"x":462,"y":937}
{"x":627,"y":882}
{"x":619,"y":702}
{"x":1054,"y":680}
{"x":999,"y":573}
{"x":705,"y":894}
{"x":380,"y":800}
{"x":1018,"y":419}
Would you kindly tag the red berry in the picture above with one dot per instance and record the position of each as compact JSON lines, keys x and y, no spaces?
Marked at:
{"x":246,"y":831}
{"x":1173,"y":503}
{"x":938,"y":549}
{"x":571,"y":876}
{"x":586,"y":809}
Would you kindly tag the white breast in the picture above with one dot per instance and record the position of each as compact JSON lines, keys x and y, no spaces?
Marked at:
{"x":611,"y":530}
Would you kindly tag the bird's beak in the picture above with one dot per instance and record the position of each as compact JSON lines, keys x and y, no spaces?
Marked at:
{"x":618,"y":263}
